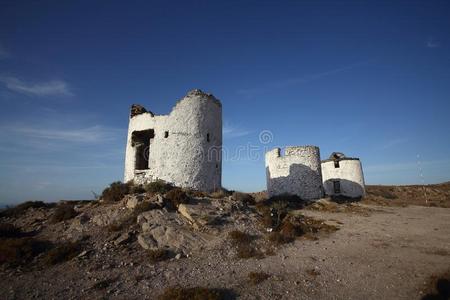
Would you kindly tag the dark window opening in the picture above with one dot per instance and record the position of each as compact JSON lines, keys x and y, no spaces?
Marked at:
{"x":141,"y":142}
{"x":337,"y":186}
{"x":207,"y":137}
{"x":336,"y":164}
{"x":166,"y":134}
{"x":217,"y":166}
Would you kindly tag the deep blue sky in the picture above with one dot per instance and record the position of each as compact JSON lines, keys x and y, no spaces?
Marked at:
{"x":368,"y":78}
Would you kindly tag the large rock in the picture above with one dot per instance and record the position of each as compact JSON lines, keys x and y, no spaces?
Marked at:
{"x":199,"y":214}
{"x":131,"y":201}
{"x":162,"y":229}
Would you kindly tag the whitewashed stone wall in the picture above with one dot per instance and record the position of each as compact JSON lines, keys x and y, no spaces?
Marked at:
{"x":297,"y":172}
{"x":186,"y":147}
{"x":349,"y":175}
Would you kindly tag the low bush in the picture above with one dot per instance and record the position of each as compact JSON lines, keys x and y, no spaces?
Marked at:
{"x":63,"y":212}
{"x":195,"y":293}
{"x":244,"y":198}
{"x":221,"y":193}
{"x":8,"y":230}
{"x":239,"y":237}
{"x":257,"y":277}
{"x":21,"y":251}
{"x":103,"y":284}
{"x":158,"y":255}
{"x":175,"y":197}
{"x":23,"y":207}
{"x":136,"y":189}
{"x":243,"y":242}
{"x":195,"y":193}
{"x":116,"y":191}
{"x":158,"y":187}
{"x":62,"y":252}
{"x":246,"y":251}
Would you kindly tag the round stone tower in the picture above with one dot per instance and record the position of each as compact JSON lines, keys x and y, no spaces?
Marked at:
{"x":343,"y":176}
{"x":297,"y":172}
{"x":183,"y":147}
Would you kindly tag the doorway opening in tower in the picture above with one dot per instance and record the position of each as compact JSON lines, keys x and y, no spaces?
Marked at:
{"x":141,"y":141}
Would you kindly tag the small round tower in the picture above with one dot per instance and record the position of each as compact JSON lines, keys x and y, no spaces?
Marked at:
{"x":297,"y":172}
{"x":343,"y":176}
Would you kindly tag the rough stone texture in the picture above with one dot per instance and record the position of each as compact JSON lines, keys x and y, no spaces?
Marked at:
{"x":349,"y":174}
{"x":200,"y":214}
{"x":185,"y":145}
{"x":297,"y":172}
{"x":163,"y":229}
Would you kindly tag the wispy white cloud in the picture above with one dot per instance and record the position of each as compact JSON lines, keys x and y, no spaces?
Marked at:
{"x":4,"y":54}
{"x":393,"y":143}
{"x":49,"y":88}
{"x":432,"y":43}
{"x":296,"y":80}
{"x":92,"y":134}
{"x":230,"y":131}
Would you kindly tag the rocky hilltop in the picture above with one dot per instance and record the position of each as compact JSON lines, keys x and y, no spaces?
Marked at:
{"x":163,"y":242}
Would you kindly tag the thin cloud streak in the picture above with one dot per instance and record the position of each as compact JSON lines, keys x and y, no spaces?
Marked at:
{"x":431,"y":43}
{"x":4,"y":54}
{"x":50,"y":88}
{"x":230,"y":131}
{"x":297,"y":80}
{"x":96,"y":133}
{"x":394,"y":143}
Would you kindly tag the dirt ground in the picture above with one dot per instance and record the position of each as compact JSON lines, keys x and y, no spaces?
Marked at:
{"x":385,"y":253}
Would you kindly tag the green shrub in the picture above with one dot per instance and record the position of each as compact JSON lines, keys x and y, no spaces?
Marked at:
{"x":9,"y":231}
{"x":63,"y":252}
{"x":21,"y":251}
{"x":158,"y":187}
{"x":63,"y":212}
{"x":116,"y":191}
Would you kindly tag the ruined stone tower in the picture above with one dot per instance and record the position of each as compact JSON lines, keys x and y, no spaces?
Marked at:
{"x":297,"y":172}
{"x":183,"y":147}
{"x":343,"y":176}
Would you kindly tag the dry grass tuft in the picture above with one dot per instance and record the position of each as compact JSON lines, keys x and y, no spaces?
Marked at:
{"x":116,"y":191}
{"x":257,"y":277}
{"x":8,"y":230}
{"x":22,"y":208}
{"x":15,"y":252}
{"x":175,"y":197}
{"x":62,"y":252}
{"x":244,"y":245}
{"x":244,"y":198}
{"x":222,"y":193}
{"x":63,"y":212}
{"x":438,"y":287}
{"x":103,"y":284}
{"x":313,"y":272}
{"x":158,"y":255}
{"x":158,"y":187}
{"x":195,"y":293}
{"x":293,"y":227}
